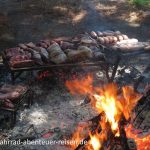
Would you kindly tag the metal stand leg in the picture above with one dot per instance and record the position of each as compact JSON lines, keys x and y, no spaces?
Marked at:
{"x":13,"y":119}
{"x":30,"y":98}
{"x":12,"y":78}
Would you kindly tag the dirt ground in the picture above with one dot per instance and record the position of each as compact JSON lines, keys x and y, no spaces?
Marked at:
{"x":24,"y":21}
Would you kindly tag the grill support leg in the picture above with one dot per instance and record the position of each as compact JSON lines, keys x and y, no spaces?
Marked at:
{"x":13,"y":78}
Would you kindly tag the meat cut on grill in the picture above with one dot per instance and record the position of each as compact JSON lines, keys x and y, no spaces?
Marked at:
{"x":66,"y":50}
{"x":18,"y":57}
{"x":11,"y":92}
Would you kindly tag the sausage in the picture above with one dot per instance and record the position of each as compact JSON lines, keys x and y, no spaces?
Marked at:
{"x":120,"y":37}
{"x":93,"y":34}
{"x":115,"y":39}
{"x":117,"y":32}
{"x":108,"y":33}
{"x":101,"y":40}
{"x":99,"y":33}
{"x":106,"y":40}
{"x":125,"y":37}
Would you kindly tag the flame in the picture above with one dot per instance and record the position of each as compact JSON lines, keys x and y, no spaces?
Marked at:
{"x":107,"y":103}
{"x":79,"y":135}
{"x":84,"y":86}
{"x":142,"y":142}
{"x":130,"y":100}
{"x":94,"y":141}
{"x":97,"y":139}
{"x":109,"y":100}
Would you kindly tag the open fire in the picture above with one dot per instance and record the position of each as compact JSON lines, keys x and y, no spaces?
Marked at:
{"x":142,"y":142}
{"x":115,"y":104}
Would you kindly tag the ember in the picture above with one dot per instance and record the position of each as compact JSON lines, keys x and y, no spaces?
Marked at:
{"x":43,"y":75}
{"x":109,"y":100}
{"x":142,"y":142}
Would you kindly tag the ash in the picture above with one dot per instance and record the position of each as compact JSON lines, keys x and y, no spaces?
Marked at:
{"x":55,"y":113}
{"x":54,"y":110}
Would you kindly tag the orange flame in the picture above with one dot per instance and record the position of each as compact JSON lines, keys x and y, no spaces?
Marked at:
{"x":95,"y":142}
{"x":79,"y":135}
{"x":143,"y":143}
{"x":106,"y":99}
{"x":108,"y":104}
{"x":97,"y":139}
{"x":84,"y":86}
{"x":130,"y":100}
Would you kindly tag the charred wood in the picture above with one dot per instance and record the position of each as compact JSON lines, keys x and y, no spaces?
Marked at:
{"x":141,"y":78}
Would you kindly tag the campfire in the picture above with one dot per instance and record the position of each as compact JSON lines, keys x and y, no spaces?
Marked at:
{"x":114,"y":127}
{"x":108,"y":121}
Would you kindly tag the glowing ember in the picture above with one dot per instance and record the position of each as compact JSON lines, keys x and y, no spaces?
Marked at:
{"x":106,"y":99}
{"x":43,"y":75}
{"x":142,"y":142}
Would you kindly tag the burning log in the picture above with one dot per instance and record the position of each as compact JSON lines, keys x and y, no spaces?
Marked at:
{"x":112,"y":142}
{"x":122,"y":142}
{"x":116,"y":109}
{"x":145,"y":102}
{"x":95,"y":124}
{"x":123,"y":136}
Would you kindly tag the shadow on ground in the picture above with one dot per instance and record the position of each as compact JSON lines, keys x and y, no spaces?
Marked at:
{"x":24,"y":21}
